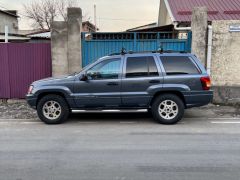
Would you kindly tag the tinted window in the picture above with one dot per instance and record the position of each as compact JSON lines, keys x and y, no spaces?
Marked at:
{"x":178,"y":65}
{"x":108,"y":69}
{"x":152,"y":68}
{"x":141,"y":67}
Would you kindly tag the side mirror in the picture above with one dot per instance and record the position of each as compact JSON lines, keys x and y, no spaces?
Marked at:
{"x":83,"y":77}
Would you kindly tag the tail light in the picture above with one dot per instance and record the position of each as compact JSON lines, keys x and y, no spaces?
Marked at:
{"x":206,"y":82}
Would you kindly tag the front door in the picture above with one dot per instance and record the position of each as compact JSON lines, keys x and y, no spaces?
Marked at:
{"x":102,"y":89}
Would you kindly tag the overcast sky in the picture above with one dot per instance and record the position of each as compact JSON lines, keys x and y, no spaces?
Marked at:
{"x":112,"y":15}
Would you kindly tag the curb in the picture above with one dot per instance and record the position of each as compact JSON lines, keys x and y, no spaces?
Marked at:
{"x":19,"y":120}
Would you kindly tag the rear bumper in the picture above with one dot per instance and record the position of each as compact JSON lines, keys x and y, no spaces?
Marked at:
{"x":198,"y":98}
{"x":31,"y":100}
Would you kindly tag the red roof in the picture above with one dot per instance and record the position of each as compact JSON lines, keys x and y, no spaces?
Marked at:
{"x":217,"y":9}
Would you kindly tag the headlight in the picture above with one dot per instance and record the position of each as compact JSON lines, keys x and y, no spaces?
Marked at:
{"x":30,"y":89}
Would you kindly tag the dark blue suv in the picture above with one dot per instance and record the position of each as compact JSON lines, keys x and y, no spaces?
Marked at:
{"x":163,"y":83}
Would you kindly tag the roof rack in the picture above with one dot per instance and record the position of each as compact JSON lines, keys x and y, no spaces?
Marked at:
{"x":174,"y":51}
{"x":161,"y":51}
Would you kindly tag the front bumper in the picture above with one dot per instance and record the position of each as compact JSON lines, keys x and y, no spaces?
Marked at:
{"x":31,"y":100}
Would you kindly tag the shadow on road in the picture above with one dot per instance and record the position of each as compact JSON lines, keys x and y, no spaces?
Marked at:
{"x":189,"y":116}
{"x":111,"y":117}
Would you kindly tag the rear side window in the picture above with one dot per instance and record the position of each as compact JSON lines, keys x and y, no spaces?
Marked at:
{"x":141,"y":67}
{"x":175,"y":65}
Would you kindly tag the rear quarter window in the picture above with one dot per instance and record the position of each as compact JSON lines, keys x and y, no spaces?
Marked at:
{"x":176,"y":65}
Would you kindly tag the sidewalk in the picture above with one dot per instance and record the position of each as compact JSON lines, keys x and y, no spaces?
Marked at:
{"x":16,"y":109}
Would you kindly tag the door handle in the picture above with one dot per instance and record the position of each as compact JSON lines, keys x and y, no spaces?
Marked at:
{"x":154,"y":81}
{"x":112,"y":84}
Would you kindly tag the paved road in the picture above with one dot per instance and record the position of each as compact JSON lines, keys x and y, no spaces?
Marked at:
{"x":120,"y":147}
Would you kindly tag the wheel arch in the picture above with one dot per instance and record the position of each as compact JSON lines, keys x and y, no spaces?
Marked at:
{"x":43,"y":94}
{"x":177,"y":93}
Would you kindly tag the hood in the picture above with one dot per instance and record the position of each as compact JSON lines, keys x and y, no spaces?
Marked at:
{"x":54,"y":80}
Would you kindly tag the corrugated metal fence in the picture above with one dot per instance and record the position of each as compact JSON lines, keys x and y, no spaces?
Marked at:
{"x":20,"y":65}
{"x":96,"y":45}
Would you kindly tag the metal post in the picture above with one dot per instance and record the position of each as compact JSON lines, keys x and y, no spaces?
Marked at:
{"x":85,"y":58}
{"x":209,"y":50}
{"x":135,"y":42}
{"x":158,"y":42}
{"x":189,"y":41}
{"x":6,"y":34}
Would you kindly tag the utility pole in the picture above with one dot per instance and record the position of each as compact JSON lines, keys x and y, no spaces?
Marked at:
{"x":95,"y":17}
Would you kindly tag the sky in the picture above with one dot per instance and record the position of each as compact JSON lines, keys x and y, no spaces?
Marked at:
{"x":112,"y":15}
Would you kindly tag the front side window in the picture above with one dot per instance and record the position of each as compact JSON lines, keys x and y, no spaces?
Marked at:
{"x":175,"y":65}
{"x":141,"y":67}
{"x":108,"y":69}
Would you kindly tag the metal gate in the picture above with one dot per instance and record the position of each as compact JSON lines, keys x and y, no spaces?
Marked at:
{"x":96,"y":45}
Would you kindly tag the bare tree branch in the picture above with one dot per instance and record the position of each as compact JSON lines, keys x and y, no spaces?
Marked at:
{"x":42,"y":13}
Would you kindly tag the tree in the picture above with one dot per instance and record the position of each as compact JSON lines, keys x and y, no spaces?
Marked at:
{"x":43,"y":12}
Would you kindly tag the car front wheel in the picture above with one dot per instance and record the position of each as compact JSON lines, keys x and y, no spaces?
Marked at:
{"x":52,"y":109}
{"x":168,"y":109}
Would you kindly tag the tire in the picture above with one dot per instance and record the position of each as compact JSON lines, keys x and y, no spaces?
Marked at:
{"x":52,"y":109}
{"x":167,"y":109}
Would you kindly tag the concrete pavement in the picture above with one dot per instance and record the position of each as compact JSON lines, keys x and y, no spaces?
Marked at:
{"x":120,"y":147}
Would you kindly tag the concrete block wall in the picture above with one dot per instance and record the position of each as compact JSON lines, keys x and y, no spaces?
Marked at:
{"x":225,"y":65}
{"x":66,"y":44}
{"x":199,"y":26}
{"x":74,"y":55}
{"x":59,"y":48}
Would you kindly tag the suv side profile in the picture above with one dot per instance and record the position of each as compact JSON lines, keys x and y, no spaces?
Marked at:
{"x":164,"y":83}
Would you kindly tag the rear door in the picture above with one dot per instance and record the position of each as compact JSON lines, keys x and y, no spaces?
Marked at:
{"x":141,"y":72}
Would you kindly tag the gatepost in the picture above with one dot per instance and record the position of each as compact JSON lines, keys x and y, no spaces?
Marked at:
{"x":66,"y":44}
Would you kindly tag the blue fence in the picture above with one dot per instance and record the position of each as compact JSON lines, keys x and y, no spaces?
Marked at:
{"x":96,"y":45}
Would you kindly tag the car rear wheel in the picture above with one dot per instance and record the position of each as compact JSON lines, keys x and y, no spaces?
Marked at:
{"x":52,"y":109}
{"x":167,"y":109}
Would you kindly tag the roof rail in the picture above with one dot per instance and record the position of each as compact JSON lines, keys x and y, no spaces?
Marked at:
{"x":174,"y":51}
{"x":161,"y":51}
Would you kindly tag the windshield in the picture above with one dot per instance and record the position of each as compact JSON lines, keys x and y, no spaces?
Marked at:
{"x":75,"y":73}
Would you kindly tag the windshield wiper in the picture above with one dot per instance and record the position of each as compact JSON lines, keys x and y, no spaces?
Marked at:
{"x":73,"y":74}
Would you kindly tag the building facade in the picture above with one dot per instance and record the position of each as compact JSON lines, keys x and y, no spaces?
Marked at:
{"x":10,"y":19}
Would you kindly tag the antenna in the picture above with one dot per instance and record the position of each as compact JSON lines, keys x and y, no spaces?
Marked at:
{"x":95,"y":17}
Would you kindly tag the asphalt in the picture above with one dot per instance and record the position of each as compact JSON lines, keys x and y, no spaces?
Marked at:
{"x":117,"y":146}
